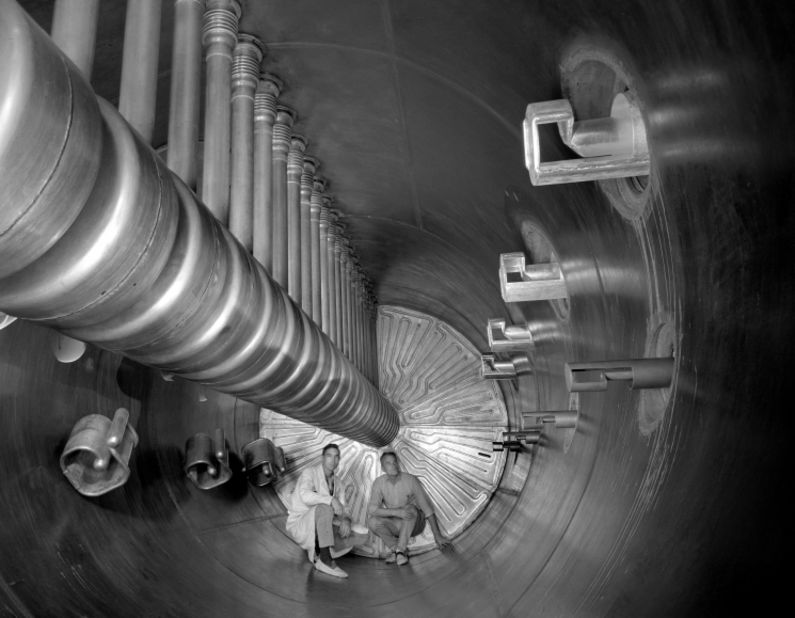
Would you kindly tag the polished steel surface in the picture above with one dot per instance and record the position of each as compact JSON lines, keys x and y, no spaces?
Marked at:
{"x":661,"y":502}
{"x":316,"y":240}
{"x":295,"y":169}
{"x":307,"y":182}
{"x":282,"y":133}
{"x":264,"y":116}
{"x":245,"y":79}
{"x":185,"y":95}
{"x":74,"y":31}
{"x":138,"y":91}
{"x":219,"y":37}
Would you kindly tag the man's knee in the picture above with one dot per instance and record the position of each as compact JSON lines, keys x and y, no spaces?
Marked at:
{"x":373,"y":522}
{"x":324,"y":511}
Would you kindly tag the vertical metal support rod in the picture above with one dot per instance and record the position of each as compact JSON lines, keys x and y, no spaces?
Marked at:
{"x":345,"y":303}
{"x":282,"y":131}
{"x":268,"y":89}
{"x":245,"y":77}
{"x":219,"y":36}
{"x":295,"y":169}
{"x":183,"y":113}
{"x":338,"y":270}
{"x":332,"y":277}
{"x":357,"y":330}
{"x":307,"y":180}
{"x":138,"y":90}
{"x":74,"y":30}
{"x":316,"y":282}
{"x":325,"y":304}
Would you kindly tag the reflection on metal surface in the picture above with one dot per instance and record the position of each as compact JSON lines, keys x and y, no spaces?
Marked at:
{"x":263,"y":462}
{"x":448,"y":415}
{"x":127,"y":258}
{"x":522,"y":282}
{"x":96,"y":457}
{"x":505,"y":338}
{"x":640,"y":372}
{"x":207,"y":460}
{"x":613,"y":147}
{"x":6,"y":320}
{"x":494,"y":368}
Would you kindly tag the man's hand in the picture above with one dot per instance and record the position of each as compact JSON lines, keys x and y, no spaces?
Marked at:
{"x":336,"y":506}
{"x":345,"y":527}
{"x":407,"y":512}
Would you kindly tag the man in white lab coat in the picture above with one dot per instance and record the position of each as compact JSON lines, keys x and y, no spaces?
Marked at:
{"x":316,"y":517}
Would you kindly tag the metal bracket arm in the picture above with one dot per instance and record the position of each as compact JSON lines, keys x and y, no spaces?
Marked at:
{"x":562,"y":419}
{"x":505,"y":338}
{"x":207,"y":460}
{"x":520,"y":282}
{"x":493,"y":369}
{"x":613,"y":147}
{"x":640,"y":373}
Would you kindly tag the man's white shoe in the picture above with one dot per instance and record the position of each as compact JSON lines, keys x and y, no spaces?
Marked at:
{"x":337,"y":553}
{"x":329,"y":570}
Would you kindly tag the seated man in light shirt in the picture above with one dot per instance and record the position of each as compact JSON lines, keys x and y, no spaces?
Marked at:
{"x":316,"y":517}
{"x":399,"y":508}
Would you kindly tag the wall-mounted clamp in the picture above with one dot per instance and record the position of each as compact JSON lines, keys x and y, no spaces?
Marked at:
{"x":640,"y":373}
{"x":492,"y":368}
{"x":612,"y":147}
{"x":522,"y":282}
{"x":96,"y":457}
{"x":263,"y":461}
{"x":207,"y":460}
{"x":562,"y":419}
{"x":506,"y":338}
{"x":515,"y":441}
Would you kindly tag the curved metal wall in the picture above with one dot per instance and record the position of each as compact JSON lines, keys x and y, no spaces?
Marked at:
{"x":688,"y":519}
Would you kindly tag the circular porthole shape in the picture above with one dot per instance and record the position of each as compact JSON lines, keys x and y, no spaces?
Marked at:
{"x":660,"y":343}
{"x":539,"y":250}
{"x":592,"y":74}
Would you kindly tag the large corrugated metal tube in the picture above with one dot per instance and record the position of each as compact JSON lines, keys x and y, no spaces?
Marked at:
{"x":130,"y":260}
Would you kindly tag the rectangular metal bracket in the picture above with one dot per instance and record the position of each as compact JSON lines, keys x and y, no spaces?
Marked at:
{"x":492,"y":368}
{"x":503,"y":338}
{"x":522,"y":282}
{"x":639,"y":372}
{"x":562,"y":419}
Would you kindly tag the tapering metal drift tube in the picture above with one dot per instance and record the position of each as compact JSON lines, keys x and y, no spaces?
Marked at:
{"x":245,"y":77}
{"x":219,"y":36}
{"x":295,"y":169}
{"x":316,"y":283}
{"x":307,"y":180}
{"x":144,"y":269}
{"x":74,"y":30}
{"x":282,"y":132}
{"x":268,"y":89}
{"x":183,"y":112}
{"x":138,"y":90}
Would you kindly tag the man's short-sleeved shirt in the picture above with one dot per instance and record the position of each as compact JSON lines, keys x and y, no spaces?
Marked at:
{"x":407,"y":489}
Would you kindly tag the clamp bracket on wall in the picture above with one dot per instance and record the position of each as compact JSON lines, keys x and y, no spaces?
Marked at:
{"x":612,"y":147}
{"x":207,"y":460}
{"x":522,"y":282}
{"x":640,"y":373}
{"x":96,"y":457}
{"x":492,"y":368}
{"x":506,"y":338}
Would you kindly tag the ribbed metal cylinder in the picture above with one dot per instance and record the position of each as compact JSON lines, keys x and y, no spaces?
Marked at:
{"x":282,"y":132}
{"x":142,"y":268}
{"x":295,"y":169}
{"x":245,"y":77}
{"x":74,"y":30}
{"x":219,"y":36}
{"x":183,"y":113}
{"x":338,"y":285}
{"x":316,"y":282}
{"x":138,"y":90}
{"x":268,"y":90}
{"x":307,"y":180}
{"x":347,"y":305}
